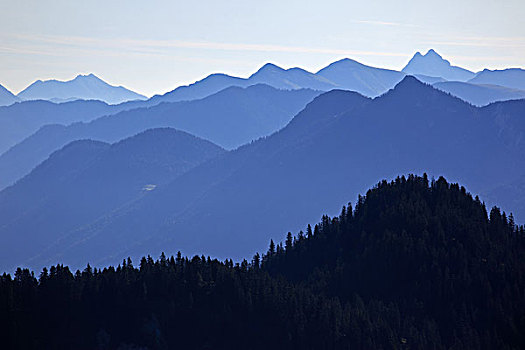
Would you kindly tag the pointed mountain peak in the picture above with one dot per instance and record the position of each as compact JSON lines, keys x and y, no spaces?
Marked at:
{"x":343,"y":63}
{"x":409,"y":82}
{"x":431,"y":56}
{"x":409,"y":86}
{"x":269,"y":67}
{"x":411,"y":90}
{"x":433,"y":64}
{"x":266,"y":71}
{"x":89,"y":76}
{"x":433,"y":53}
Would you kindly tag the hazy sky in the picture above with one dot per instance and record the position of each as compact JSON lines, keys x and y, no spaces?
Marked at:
{"x":154,"y":46}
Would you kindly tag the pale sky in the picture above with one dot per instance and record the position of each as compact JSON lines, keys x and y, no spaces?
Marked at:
{"x":154,"y":46}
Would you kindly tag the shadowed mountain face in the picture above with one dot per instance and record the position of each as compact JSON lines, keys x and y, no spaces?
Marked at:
{"x":86,"y":179}
{"x":337,"y":147}
{"x":84,"y":87}
{"x":432,"y":64}
{"x":230,"y":118}
{"x":6,"y":97}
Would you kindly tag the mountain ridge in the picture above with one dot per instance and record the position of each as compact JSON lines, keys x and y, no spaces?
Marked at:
{"x":7,"y":97}
{"x":230,"y":118}
{"x":513,"y":78}
{"x":85,"y":87}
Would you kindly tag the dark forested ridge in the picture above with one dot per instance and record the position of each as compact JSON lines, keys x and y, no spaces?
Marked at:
{"x":417,"y":264}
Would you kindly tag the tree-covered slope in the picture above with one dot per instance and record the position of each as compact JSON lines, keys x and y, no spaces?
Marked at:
{"x":416,"y":265}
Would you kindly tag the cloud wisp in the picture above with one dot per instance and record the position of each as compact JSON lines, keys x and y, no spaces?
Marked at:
{"x":160,"y":47}
{"x":385,"y":23}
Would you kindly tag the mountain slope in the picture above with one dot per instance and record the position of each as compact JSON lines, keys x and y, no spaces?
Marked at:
{"x":6,"y":97}
{"x":513,"y":78}
{"x":20,"y":120}
{"x":338,"y":146}
{"x":432,"y":64}
{"x":230,"y":118}
{"x":88,"y":178}
{"x":85,"y":87}
{"x":351,"y":75}
{"x":479,"y":95}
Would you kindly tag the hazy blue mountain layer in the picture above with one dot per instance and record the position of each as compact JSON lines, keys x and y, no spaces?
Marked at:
{"x":230,"y":118}
{"x":338,"y":146}
{"x":86,"y":179}
{"x":6,"y":97}
{"x":480,"y":95}
{"x":83,"y":87}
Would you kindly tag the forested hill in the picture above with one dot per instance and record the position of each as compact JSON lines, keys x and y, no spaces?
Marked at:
{"x":417,"y":264}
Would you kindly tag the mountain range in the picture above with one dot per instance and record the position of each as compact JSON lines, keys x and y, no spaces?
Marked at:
{"x":347,"y":74}
{"x":339,"y":145}
{"x":344,"y":74}
{"x":230,"y":118}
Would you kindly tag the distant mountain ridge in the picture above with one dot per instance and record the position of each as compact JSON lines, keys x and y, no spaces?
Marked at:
{"x":513,"y":78}
{"x":230,"y":118}
{"x":7,"y":97}
{"x":20,"y":120}
{"x":346,"y":74}
{"x":479,"y":94}
{"x":269,"y":74}
{"x":83,"y":87}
